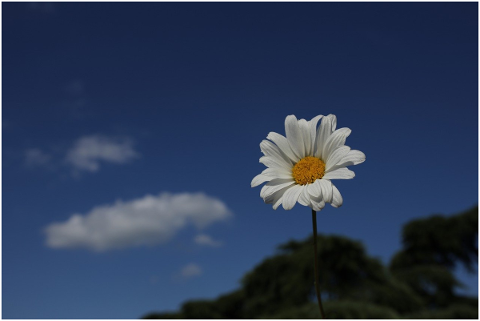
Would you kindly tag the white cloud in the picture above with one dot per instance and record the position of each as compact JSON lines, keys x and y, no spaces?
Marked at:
{"x":190,"y":270}
{"x":89,"y":151}
{"x":36,"y":157}
{"x":204,"y":239}
{"x":144,"y":221}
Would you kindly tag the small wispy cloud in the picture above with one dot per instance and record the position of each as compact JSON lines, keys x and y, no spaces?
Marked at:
{"x":153,"y":279}
{"x":75,"y":100}
{"x":144,"y":221}
{"x":86,"y":154}
{"x":42,"y":7}
{"x":191,"y":270}
{"x":206,"y":240}
{"x":6,"y":124}
{"x":75,"y":87}
{"x":35,"y":157}
{"x":89,"y":151}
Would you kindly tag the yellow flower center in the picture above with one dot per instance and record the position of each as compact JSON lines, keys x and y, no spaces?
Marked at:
{"x":307,"y":170}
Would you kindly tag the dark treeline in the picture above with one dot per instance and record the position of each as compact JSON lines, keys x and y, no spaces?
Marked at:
{"x":418,"y":282}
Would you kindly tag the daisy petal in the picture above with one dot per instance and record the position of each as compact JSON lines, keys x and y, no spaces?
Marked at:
{"x":277,"y":173}
{"x":304,"y":197}
{"x":259,"y":179}
{"x":317,"y":206}
{"x":333,"y":119}
{"x":270,"y":149}
{"x":354,"y":157}
{"x":327,"y":192}
{"x":294,"y":136}
{"x":269,"y":174}
{"x":283,"y":145}
{"x":291,"y":196}
{"x":307,"y":139}
{"x":335,"y":140}
{"x":278,"y":197}
{"x":315,"y":190}
{"x":274,"y":162}
{"x":273,"y":186}
{"x":324,"y":131}
{"x":316,"y":196}
{"x":273,"y":198}
{"x":336,"y":156}
{"x":313,"y":132}
{"x":340,"y":173}
{"x":337,"y":199}
{"x":278,"y":201}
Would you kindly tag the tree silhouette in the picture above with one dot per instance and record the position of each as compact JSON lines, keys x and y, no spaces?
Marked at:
{"x":433,"y":247}
{"x":418,"y":283}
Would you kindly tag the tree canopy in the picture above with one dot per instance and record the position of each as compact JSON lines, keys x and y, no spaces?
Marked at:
{"x":418,"y":283}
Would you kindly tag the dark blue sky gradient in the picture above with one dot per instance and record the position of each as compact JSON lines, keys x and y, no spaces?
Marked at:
{"x":197,"y":86}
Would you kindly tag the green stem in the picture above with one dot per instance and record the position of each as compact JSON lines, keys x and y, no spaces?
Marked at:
{"x":317,"y":289}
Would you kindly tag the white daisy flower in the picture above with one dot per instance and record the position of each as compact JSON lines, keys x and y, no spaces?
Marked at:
{"x":302,"y":165}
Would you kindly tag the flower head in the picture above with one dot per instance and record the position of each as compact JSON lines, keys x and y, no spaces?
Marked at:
{"x":300,"y":167}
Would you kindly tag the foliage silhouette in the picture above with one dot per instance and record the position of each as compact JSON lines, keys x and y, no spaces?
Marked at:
{"x":418,"y":283}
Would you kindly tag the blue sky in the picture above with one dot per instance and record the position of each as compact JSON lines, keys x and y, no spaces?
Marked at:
{"x":131,"y":133}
